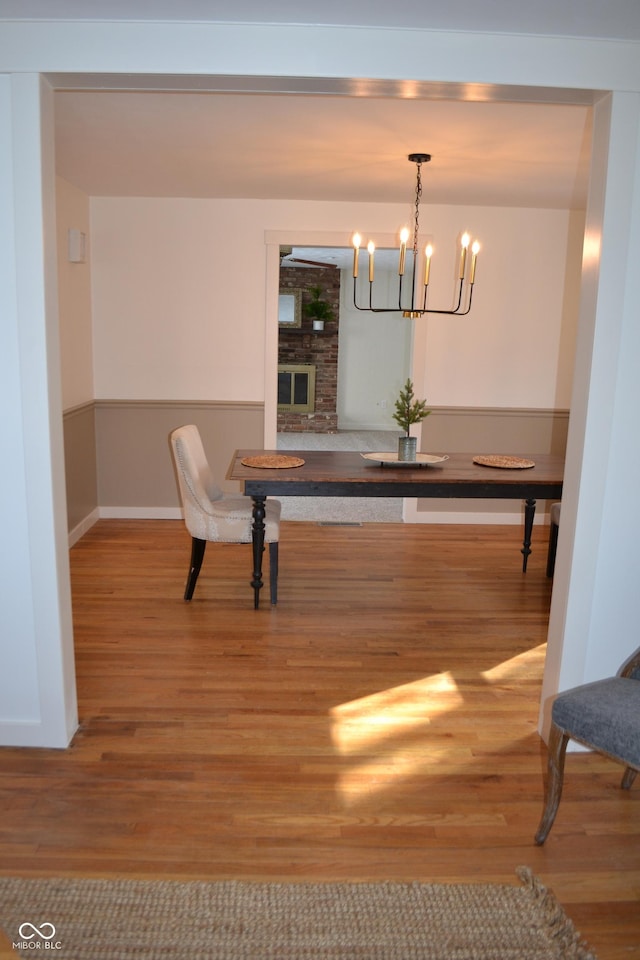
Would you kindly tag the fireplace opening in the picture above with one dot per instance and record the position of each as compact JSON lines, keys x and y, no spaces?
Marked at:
{"x":296,"y":388}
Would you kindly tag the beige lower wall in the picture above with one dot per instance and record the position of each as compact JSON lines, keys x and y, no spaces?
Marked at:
{"x":487,"y":431}
{"x":135,"y":468}
{"x":79,"y":428}
{"x":118,"y":460}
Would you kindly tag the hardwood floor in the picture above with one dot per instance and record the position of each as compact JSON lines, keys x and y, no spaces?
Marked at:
{"x":379,"y":723}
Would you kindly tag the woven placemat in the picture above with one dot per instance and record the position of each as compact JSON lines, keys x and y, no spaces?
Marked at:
{"x":272,"y":461}
{"x":507,"y":463}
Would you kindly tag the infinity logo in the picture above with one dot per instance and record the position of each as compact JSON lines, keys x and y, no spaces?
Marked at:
{"x":36,"y":932}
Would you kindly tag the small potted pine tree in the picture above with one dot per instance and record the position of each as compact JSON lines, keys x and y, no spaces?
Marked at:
{"x":408,"y":410}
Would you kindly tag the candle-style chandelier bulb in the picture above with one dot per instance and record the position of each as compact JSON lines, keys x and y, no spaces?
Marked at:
{"x":415,"y":305}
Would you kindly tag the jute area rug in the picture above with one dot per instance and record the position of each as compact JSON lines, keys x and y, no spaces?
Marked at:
{"x":235,"y":920}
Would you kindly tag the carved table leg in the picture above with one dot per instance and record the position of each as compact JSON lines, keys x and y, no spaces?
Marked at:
{"x":529,"y":514}
{"x":257,"y":535}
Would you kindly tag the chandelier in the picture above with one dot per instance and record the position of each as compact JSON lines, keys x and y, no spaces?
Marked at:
{"x":415,"y":305}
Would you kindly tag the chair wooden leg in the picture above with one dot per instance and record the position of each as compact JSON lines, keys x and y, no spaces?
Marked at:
{"x":553,"y":546}
{"x":197,"y":555}
{"x":273,"y":571}
{"x":628,"y":777}
{"x":557,"y":749}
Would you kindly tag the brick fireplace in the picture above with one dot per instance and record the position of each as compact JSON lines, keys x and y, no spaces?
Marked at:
{"x":302,"y":347}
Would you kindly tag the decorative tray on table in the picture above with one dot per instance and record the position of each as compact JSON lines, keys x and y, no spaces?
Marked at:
{"x":391,"y":459}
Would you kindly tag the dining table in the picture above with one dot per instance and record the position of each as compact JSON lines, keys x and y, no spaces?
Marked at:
{"x":342,"y":473}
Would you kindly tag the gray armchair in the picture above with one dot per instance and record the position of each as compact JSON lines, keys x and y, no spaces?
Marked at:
{"x":211,"y":515}
{"x":604,"y":716}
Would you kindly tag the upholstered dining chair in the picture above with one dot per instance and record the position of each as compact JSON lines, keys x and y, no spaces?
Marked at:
{"x":211,"y":515}
{"x":554,"y":527}
{"x":604,"y":716}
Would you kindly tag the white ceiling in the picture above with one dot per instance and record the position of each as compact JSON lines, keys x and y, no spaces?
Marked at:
{"x":321,"y":147}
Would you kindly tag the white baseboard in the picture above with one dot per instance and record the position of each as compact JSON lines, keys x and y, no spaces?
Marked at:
{"x":122,"y":513}
{"x":31,"y":734}
{"x":410,"y":515}
{"x":81,"y":528}
{"x":140,"y":513}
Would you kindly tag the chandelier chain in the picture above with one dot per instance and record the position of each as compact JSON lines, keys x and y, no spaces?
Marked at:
{"x":416,"y":222}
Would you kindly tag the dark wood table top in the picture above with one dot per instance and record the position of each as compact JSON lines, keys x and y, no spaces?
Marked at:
{"x":343,"y":473}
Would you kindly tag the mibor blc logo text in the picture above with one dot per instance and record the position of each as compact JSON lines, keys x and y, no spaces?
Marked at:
{"x":36,"y":938}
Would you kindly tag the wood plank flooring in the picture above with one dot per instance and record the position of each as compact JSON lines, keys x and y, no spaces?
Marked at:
{"x":379,"y":723}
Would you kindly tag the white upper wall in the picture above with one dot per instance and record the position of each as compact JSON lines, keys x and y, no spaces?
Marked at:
{"x":179,"y":290}
{"x":516,"y":347}
{"x":74,"y":298}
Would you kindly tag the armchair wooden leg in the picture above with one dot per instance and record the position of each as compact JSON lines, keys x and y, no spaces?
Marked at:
{"x":197,"y":554}
{"x":273,"y":571}
{"x":553,"y":546}
{"x":628,"y":777}
{"x":553,"y":787}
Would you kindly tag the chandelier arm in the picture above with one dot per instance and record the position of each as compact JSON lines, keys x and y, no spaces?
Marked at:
{"x":355,"y":300}
{"x":421,"y":311}
{"x":413,"y":287}
{"x":370,"y":308}
{"x":400,"y":307}
{"x":448,"y":313}
{"x":460,"y":289}
{"x":457,"y":312}
{"x":412,"y":306}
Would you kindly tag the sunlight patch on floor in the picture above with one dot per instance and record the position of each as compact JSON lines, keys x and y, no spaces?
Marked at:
{"x":524,"y":666}
{"x":384,"y":732}
{"x":393,"y":712}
